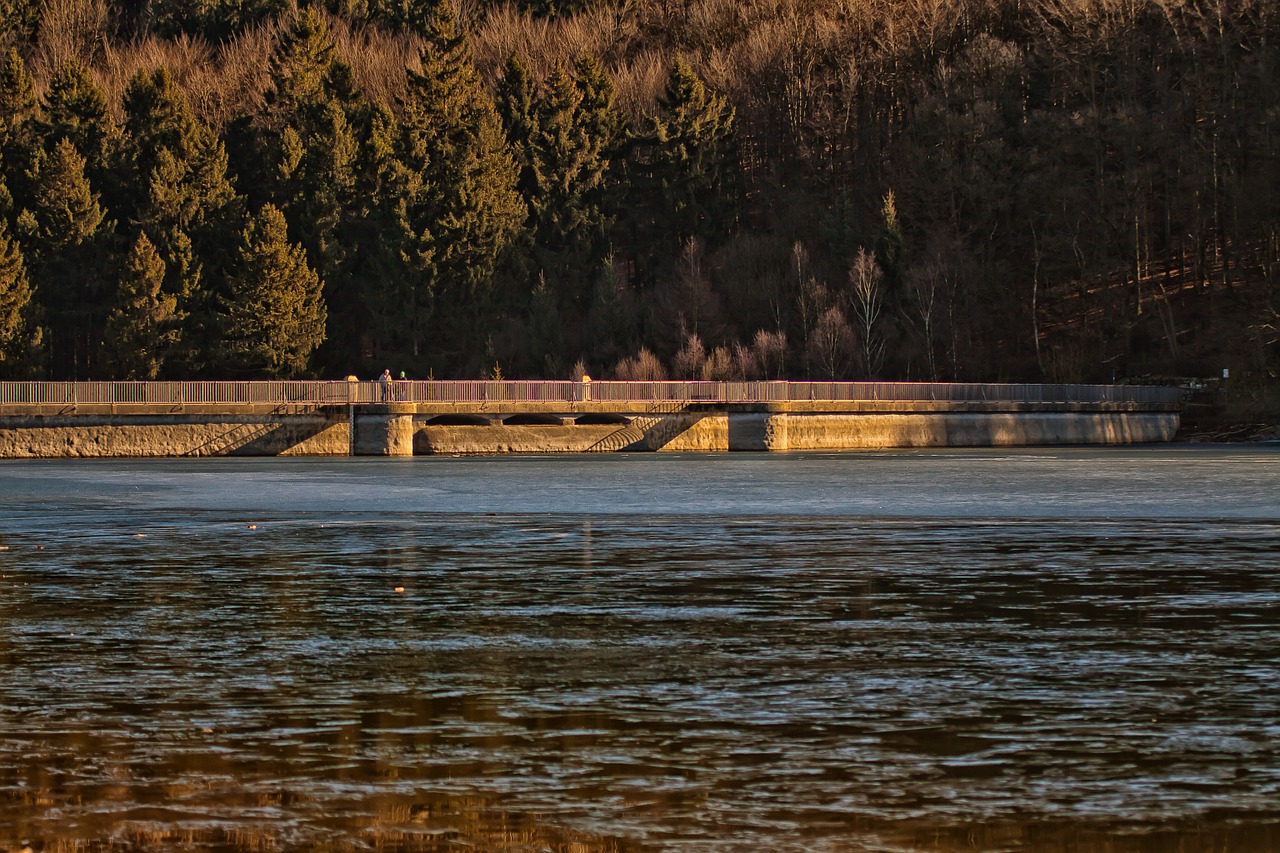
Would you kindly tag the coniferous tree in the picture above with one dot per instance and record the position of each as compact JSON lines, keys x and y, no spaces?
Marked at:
{"x":274,"y":313}
{"x":18,"y":141}
{"x":166,"y":142}
{"x":318,"y":162}
{"x":563,"y":134}
{"x":175,"y":187}
{"x":570,"y":165}
{"x":157,"y":118}
{"x":17,"y":93}
{"x":301,"y":68}
{"x":215,"y":21}
{"x":19,"y":18}
{"x":75,"y":109}
{"x":413,"y":16}
{"x":458,"y":207}
{"x":682,"y":175}
{"x":143,"y":326}
{"x":18,"y":334}
{"x":64,"y":234}
{"x":377,"y":276}
{"x":695,"y":133}
{"x":516,"y":104}
{"x":597,"y":105}
{"x":889,"y":248}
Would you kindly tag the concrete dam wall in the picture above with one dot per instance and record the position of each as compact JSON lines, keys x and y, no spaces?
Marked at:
{"x":337,"y":419}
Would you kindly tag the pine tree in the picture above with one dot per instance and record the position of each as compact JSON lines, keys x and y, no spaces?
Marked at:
{"x":683,"y":171}
{"x":18,"y":18}
{"x":516,"y":105}
{"x":143,"y":326}
{"x":17,"y":94}
{"x":274,"y":315}
{"x":156,"y":118}
{"x":600,"y":113}
{"x":215,"y":21}
{"x":75,"y":109}
{"x":300,"y":68}
{"x":175,"y":187}
{"x":316,"y":155}
{"x":695,"y":132}
{"x":546,"y":331}
{"x":305,"y":138}
{"x":569,"y":165}
{"x":458,"y":207}
{"x":18,"y":141}
{"x":64,"y":233}
{"x":17,"y":332}
{"x":414,"y":16}
{"x":165,"y":139}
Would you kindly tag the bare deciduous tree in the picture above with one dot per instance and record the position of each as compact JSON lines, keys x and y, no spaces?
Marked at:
{"x":770,"y":350}
{"x":867,"y":295}
{"x":688,"y":362}
{"x":644,"y":366}
{"x":831,"y":345}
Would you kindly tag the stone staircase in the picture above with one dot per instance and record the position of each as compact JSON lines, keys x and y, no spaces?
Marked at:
{"x":645,"y":432}
{"x":231,"y":440}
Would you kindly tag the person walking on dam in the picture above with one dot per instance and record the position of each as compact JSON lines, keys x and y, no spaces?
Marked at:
{"x":384,"y":385}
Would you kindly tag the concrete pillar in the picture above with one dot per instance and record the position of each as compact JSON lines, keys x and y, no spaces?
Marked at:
{"x":384,"y":431}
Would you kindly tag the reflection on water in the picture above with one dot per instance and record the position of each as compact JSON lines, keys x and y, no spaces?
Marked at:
{"x":187,"y":677}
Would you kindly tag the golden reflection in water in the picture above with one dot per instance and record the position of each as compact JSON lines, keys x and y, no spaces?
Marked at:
{"x":441,"y":823}
{"x":425,"y":825}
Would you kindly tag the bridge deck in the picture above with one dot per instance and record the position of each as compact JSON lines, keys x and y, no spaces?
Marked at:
{"x":516,"y":397}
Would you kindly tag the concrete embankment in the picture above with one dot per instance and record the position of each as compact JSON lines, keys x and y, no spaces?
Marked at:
{"x":149,"y":435}
{"x":419,"y":429}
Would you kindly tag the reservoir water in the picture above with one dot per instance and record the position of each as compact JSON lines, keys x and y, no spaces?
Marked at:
{"x":971,"y":650}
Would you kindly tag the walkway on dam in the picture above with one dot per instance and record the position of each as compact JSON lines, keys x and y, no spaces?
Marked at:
{"x":529,"y":396}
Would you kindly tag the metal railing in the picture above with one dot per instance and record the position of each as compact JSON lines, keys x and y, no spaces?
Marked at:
{"x":341,"y":392}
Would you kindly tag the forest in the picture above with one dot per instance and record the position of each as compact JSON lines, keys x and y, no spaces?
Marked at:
{"x":934,"y":190}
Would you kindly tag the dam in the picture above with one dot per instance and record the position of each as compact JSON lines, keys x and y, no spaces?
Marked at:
{"x":406,"y":418}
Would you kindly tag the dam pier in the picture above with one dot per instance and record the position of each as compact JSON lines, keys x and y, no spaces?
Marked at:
{"x":405,"y":418}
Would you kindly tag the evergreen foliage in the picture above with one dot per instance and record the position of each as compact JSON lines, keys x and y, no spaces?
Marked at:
{"x":143,"y":326}
{"x":457,"y":207}
{"x":681,"y":171}
{"x":213,"y":20}
{"x":17,"y":333}
{"x":315,"y":154}
{"x":570,"y":165}
{"x":1043,"y":190}
{"x":18,"y":141}
{"x":174,"y":185}
{"x":516,"y":105}
{"x":76,"y":110}
{"x":17,"y":95}
{"x":64,"y":236}
{"x":19,"y":18}
{"x":274,"y":314}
